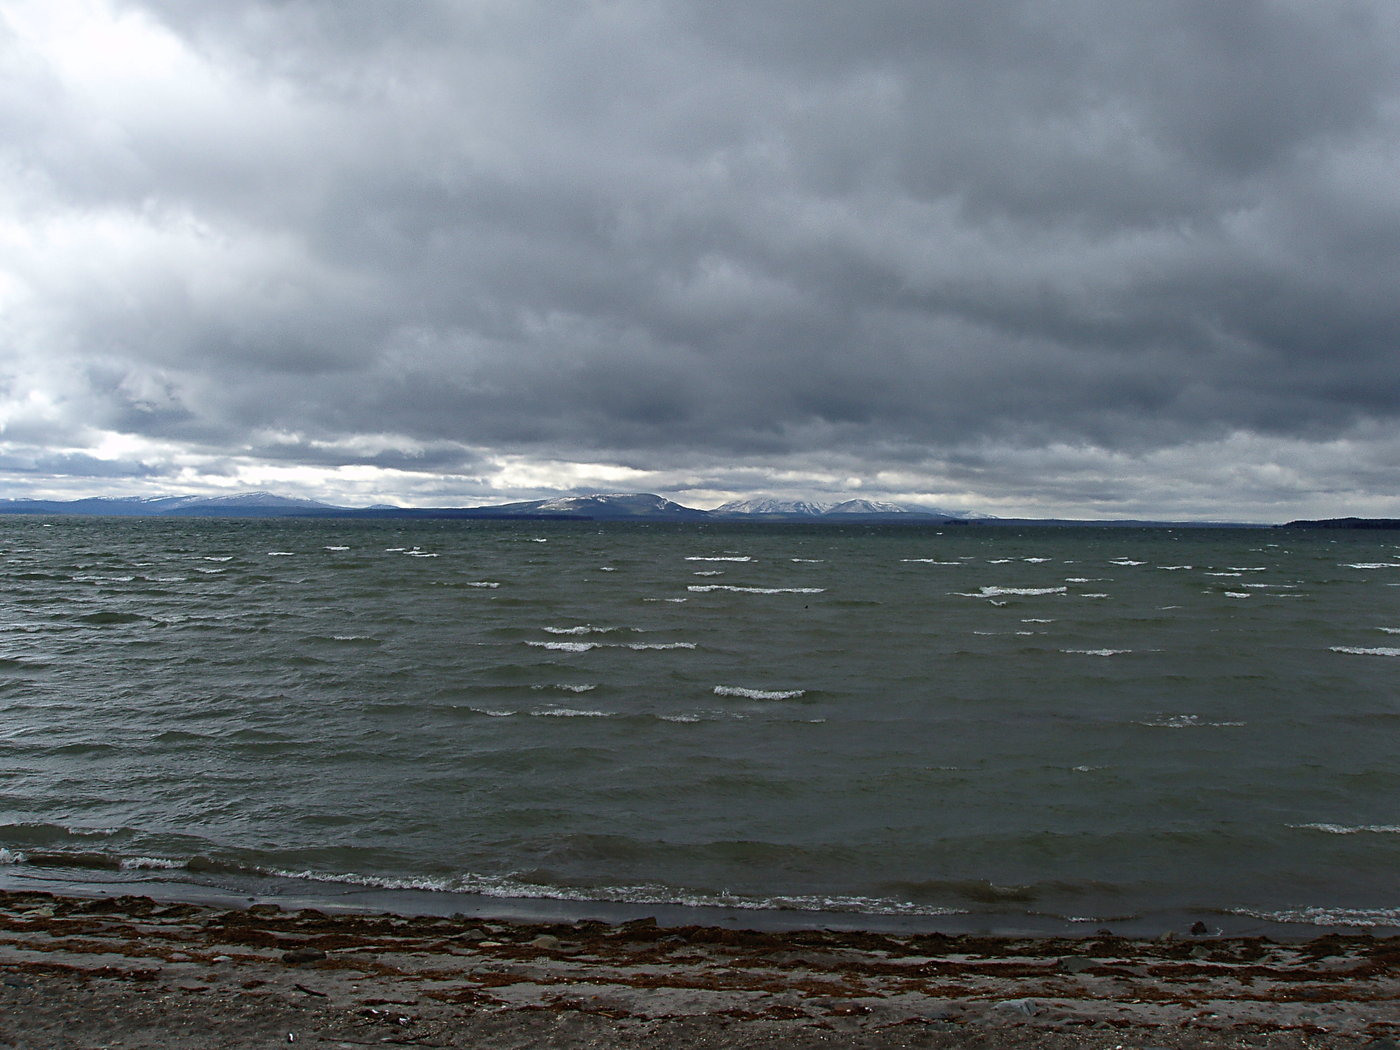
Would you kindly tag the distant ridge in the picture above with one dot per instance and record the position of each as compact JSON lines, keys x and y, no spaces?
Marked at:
{"x":1345,"y":523}
{"x":799,"y":509}
{"x":236,"y":505}
{"x":610,"y":506}
{"x":613,"y":506}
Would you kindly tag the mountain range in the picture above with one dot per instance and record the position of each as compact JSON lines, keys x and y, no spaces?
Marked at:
{"x":601,"y":506}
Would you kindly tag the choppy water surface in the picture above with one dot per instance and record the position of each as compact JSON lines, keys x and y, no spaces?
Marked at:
{"x":1081,"y":723}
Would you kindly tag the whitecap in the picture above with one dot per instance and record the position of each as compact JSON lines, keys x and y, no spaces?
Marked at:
{"x":606,"y":568}
{"x":1186,"y":722}
{"x":281,"y":554}
{"x":1095,"y":595}
{"x":994,"y":592}
{"x":1126,"y":561}
{"x":1360,"y":651}
{"x":809,"y":561}
{"x":758,"y":694}
{"x":722,"y":557}
{"x":224,"y":558}
{"x":639,"y":646}
{"x":708,"y":572}
{"x":565,"y":647}
{"x":930,"y":561}
{"x":336,"y":548}
{"x":1348,"y":829}
{"x":1096,"y":652}
{"x":1035,"y":619}
{"x":1174,"y":568}
{"x":569,"y":687}
{"x":570,"y":712}
{"x":754,"y":590}
{"x":1237,"y":594}
{"x":1373,"y":565}
{"x":586,"y":628}
{"x":665,"y":599}
{"x":1389,"y":630}
{"x":489,"y":584}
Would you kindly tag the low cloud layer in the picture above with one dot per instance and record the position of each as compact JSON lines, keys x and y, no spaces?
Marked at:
{"x":1076,"y":258}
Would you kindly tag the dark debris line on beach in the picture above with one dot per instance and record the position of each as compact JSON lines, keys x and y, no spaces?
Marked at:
{"x":120,"y":970}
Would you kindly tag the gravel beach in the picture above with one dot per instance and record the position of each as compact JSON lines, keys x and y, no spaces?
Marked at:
{"x":132,"y":972}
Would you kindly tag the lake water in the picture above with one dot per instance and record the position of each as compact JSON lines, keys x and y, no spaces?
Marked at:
{"x":980,"y":726}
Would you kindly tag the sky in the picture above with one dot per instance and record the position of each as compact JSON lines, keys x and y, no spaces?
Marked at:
{"x":1074,"y":258}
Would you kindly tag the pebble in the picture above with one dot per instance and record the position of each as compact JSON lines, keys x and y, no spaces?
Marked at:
{"x":303,"y":955}
{"x":1025,"y":1007}
{"x":546,"y":940}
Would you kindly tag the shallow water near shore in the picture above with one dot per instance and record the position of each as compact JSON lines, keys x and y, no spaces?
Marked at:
{"x":980,"y":726}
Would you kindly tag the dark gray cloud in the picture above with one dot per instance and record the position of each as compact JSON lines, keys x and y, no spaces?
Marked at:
{"x":1027,"y":257}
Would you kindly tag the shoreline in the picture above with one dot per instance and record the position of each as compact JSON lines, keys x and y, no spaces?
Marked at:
{"x":127,"y":970}
{"x":289,"y":893}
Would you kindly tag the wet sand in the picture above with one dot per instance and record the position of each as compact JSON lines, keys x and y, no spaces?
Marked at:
{"x":132,"y":972}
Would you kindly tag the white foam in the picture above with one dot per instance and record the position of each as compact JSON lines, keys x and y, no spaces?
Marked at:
{"x":994,"y":592}
{"x":1035,"y":561}
{"x":281,"y":554}
{"x":150,"y":864}
{"x":998,"y":561}
{"x":708,"y":572}
{"x":1126,"y":561}
{"x":1373,"y":565}
{"x":723,"y":557}
{"x":1095,"y":595}
{"x":1360,"y":651}
{"x":586,"y":628}
{"x":336,"y":548}
{"x":569,"y":687}
{"x":1347,"y":829}
{"x":227,"y":557}
{"x":809,"y":561}
{"x":639,"y":646}
{"x":1174,"y":568}
{"x":1186,"y":722}
{"x":1389,"y":630}
{"x":565,"y":647}
{"x":1035,"y":619}
{"x":570,"y":712}
{"x":930,"y":561}
{"x":1237,"y":594}
{"x":1223,"y":574}
{"x":679,"y":718}
{"x":1096,"y":652}
{"x":606,"y":568}
{"x":754,"y":590}
{"x":665,"y":599}
{"x":12,"y":856}
{"x":759,"y":694}
{"x":1247,"y":568}
{"x":1317,"y":916}
{"x":489,"y":584}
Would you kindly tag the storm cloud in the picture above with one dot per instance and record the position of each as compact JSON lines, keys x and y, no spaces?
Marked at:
{"x":1073,"y":258}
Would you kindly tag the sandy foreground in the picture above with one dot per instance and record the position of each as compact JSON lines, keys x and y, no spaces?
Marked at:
{"x":132,"y":972}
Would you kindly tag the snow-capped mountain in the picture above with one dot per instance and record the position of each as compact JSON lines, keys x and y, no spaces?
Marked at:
{"x":601,"y":505}
{"x":867,"y":506}
{"x":768,"y":505}
{"x":801,"y":508}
